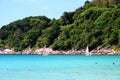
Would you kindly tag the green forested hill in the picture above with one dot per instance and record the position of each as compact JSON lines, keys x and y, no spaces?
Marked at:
{"x":96,"y":24}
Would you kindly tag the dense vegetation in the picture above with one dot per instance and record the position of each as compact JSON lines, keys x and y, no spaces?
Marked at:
{"x":96,"y":24}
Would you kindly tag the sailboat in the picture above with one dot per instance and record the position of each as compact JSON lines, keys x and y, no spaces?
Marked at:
{"x":87,"y":53}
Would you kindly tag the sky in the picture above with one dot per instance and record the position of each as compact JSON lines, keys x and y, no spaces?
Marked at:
{"x":11,"y":10}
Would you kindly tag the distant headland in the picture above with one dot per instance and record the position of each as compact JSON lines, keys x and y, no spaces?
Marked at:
{"x":96,"y":24}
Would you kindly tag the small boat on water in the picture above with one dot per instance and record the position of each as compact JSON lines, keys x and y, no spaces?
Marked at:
{"x":87,"y":53}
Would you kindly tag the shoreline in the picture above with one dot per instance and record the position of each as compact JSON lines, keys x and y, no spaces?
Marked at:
{"x":46,"y":51}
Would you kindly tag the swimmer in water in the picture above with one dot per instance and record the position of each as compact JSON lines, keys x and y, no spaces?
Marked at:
{"x":113,"y":63}
{"x":6,"y":69}
{"x":29,"y":69}
{"x":95,"y":62}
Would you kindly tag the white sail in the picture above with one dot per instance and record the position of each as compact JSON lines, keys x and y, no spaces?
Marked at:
{"x":87,"y":53}
{"x":87,"y":50}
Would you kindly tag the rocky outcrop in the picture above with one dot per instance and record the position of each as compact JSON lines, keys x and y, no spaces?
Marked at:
{"x":7,"y":51}
{"x":27,"y":51}
{"x":45,"y":51}
{"x":103,"y":51}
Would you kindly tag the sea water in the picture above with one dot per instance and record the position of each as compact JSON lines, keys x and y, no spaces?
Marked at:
{"x":59,"y":67}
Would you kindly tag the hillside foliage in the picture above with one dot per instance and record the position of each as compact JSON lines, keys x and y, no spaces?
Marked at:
{"x":96,"y":24}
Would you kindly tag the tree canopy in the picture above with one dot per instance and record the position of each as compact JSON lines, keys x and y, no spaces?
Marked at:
{"x":96,"y":24}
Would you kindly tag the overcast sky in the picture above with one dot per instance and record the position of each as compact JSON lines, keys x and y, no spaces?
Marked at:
{"x":11,"y":10}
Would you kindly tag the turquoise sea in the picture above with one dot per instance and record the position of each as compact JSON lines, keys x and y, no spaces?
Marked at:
{"x":59,"y":67}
